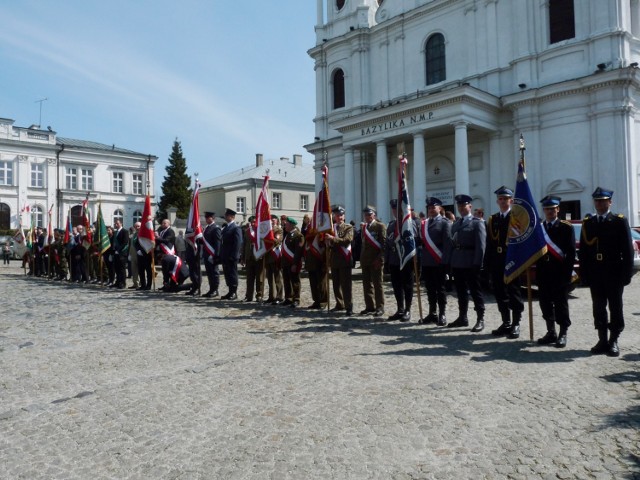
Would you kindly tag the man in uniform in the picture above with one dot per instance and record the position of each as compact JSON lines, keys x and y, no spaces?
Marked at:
{"x":402,"y":280}
{"x":468,"y":239}
{"x":554,"y":271}
{"x":606,"y":267}
{"x":120,"y":253}
{"x":133,"y":256}
{"x":272,"y":265}
{"x":435,"y":234}
{"x":292,"y":251}
{"x":340,"y":244}
{"x":230,"y":253}
{"x":373,"y":234}
{"x":315,"y":262}
{"x":211,"y":241}
{"x":253,"y":267}
{"x":508,"y":296}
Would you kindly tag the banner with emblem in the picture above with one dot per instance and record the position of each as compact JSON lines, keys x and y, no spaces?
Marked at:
{"x":194,"y":227}
{"x":321,"y":222}
{"x":101,"y":230}
{"x":263,"y":238}
{"x":405,"y":227}
{"x":526,"y":242}
{"x":146,"y":235}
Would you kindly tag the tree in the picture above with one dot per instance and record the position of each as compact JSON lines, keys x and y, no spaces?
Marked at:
{"x":176,"y":186}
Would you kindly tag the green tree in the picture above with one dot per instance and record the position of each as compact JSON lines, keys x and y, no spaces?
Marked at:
{"x":176,"y":186}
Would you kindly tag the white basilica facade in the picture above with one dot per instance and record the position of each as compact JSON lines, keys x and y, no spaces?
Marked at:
{"x":457,"y":81}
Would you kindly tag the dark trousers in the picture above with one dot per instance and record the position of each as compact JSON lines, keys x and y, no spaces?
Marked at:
{"x":255,"y":279}
{"x":341,"y":279}
{"x":230,"y":270}
{"x":435,"y":279}
{"x":372,"y":287}
{"x":291,"y":283}
{"x":554,"y":304}
{"x":144,"y":271}
{"x":318,"y":284}
{"x":195,"y":272}
{"x":467,"y":280}
{"x":120,"y":266}
{"x":508,"y":295}
{"x":213,"y":274}
{"x":402,"y":282}
{"x":274,"y":280}
{"x":605,"y":291}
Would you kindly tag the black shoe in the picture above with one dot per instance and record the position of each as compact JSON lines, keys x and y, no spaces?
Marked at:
{"x":442,"y":320}
{"x":479,"y":326}
{"x":549,"y":338}
{"x":286,"y":303}
{"x":502,"y":330}
{"x":378,"y":312}
{"x":600,"y":348}
{"x":514,"y":332}
{"x":406,"y":316}
{"x":132,"y":287}
{"x":191,"y":292}
{"x":396,"y":316}
{"x":277,"y":301}
{"x":247,"y":300}
{"x":314,"y":306}
{"x":295,"y":304}
{"x":232,"y":296}
{"x":336,"y":309}
{"x":431,"y":318}
{"x":459,"y":322}
{"x":562,"y":341}
{"x":367,"y":311}
{"x":348,"y":312}
{"x":613,"y":350}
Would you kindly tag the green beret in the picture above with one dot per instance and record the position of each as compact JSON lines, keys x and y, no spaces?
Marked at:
{"x":292,"y":221}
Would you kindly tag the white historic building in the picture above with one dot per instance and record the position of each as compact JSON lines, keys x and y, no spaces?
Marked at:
{"x":291,"y":189}
{"x":457,"y":82}
{"x":43,"y":171}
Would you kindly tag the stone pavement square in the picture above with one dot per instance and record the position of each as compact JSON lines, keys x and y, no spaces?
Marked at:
{"x":104,"y":384}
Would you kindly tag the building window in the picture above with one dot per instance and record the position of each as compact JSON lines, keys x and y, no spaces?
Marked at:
{"x":338,"y":89}
{"x":6,"y":173}
{"x":86,"y":179}
{"x":37,"y":216}
{"x":241,"y":203}
{"x":5,"y":216}
{"x":562,"y":24}
{"x":37,"y":175}
{"x":137,"y":216}
{"x":276,"y":200}
{"x":435,"y":59}
{"x":304,"y":202}
{"x":71,"y":178}
{"x":118,"y":180}
{"x":137,"y":183}
{"x":340,"y":4}
{"x":118,"y":215}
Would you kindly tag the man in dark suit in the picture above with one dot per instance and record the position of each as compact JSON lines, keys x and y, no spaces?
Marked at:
{"x":230,"y":253}
{"x":554,"y":272}
{"x":211,"y":241}
{"x":120,"y":253}
{"x":468,"y":239}
{"x":166,"y":238}
{"x":606,"y":267}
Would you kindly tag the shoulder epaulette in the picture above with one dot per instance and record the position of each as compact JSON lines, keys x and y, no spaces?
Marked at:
{"x":620,"y":215}
{"x":566,"y":222}
{"x":587,"y":216}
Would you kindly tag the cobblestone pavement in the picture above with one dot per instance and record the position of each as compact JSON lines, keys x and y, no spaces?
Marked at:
{"x":97,"y":383}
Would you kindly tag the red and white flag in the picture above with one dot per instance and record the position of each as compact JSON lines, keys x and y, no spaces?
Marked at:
{"x":321,"y":221}
{"x":263,"y":238}
{"x":48,"y":239}
{"x":146,"y":235}
{"x":86,"y":221}
{"x":194,"y":227}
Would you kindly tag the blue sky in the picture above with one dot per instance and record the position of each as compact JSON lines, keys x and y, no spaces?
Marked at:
{"x":229,"y":79}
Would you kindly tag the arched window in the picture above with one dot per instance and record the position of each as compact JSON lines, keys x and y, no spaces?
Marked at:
{"x":562,"y":23}
{"x":118,"y":215}
{"x":340,"y":4}
{"x":338,"y":89}
{"x":137,"y":216}
{"x":38,"y":216}
{"x":76,"y":216}
{"x":435,"y":59}
{"x":5,"y":216}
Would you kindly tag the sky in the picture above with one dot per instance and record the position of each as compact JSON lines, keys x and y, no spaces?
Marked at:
{"x":228,"y":79}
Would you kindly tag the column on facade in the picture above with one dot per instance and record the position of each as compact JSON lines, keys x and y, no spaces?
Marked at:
{"x":349,"y":186}
{"x":462,"y":158}
{"x":382,"y":181}
{"x":495,"y":164}
{"x":419,"y":171}
{"x":319,"y":13}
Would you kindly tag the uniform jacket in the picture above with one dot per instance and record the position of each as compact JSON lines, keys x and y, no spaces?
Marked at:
{"x":212,"y":233}
{"x":273,"y":255}
{"x":439,"y":230}
{"x":553,"y":272}
{"x":370,"y":253}
{"x":606,"y":250}
{"x":231,"y":242}
{"x":468,"y":242}
{"x":497,"y":239}
{"x":344,"y":237}
{"x":294,"y":243}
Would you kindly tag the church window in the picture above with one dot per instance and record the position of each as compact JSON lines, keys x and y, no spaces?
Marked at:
{"x":435,"y":59}
{"x":338,"y":89}
{"x":562,"y":24}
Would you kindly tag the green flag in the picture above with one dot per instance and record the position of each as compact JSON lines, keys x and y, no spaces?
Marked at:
{"x":103,"y":237}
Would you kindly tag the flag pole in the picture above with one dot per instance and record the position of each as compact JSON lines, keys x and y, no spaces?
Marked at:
{"x":327,"y":258}
{"x":49,"y":240}
{"x":195,"y":244}
{"x":529,"y":290}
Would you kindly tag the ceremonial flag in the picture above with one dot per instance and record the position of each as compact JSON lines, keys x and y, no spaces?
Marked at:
{"x":263,"y":238}
{"x":48,"y":239}
{"x":32,"y":232}
{"x":194,"y":227}
{"x":146,"y":235}
{"x":405,"y":226}
{"x":103,"y":237}
{"x":68,"y":231}
{"x":526,"y":242}
{"x":86,"y":221}
{"x":322,"y":221}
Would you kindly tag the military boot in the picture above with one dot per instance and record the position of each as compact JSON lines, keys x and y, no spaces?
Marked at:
{"x":479,"y":326}
{"x":505,"y":328}
{"x":602,"y":346}
{"x":515,"y":326}
{"x":550,"y":337}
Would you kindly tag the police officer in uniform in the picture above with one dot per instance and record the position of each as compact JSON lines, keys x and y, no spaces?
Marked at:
{"x":508,"y":296}
{"x":211,"y":241}
{"x":292,"y":251}
{"x":435,"y":235}
{"x":373,"y":236}
{"x":230,"y":254}
{"x":340,"y":244}
{"x":468,"y":238}
{"x":554,"y":272}
{"x":606,"y":267}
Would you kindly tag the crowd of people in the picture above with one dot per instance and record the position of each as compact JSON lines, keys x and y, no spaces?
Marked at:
{"x":462,"y":249}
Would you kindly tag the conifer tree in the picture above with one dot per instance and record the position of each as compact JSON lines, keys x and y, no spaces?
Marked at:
{"x":176,"y":186}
